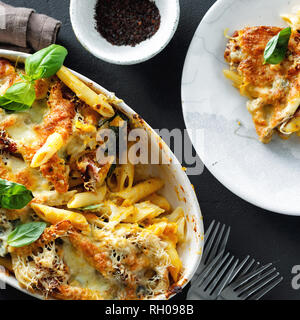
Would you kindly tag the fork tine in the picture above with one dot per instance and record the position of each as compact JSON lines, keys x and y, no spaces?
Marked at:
{"x":200,"y":278}
{"x":238,"y":269}
{"x":214,"y":249}
{"x":219,"y":244}
{"x":254,"y":281}
{"x":213,"y":272}
{"x":255,"y":267}
{"x":208,"y":231}
{"x":266,"y":289}
{"x":225,"y":279}
{"x":212,"y":286}
{"x":224,"y":242}
{"x":266,"y":280}
{"x":249,"y":276}
{"x":209,"y":243}
{"x":248,"y":267}
{"x":205,"y":252}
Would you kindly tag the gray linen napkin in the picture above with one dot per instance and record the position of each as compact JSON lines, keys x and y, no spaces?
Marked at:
{"x":22,"y":29}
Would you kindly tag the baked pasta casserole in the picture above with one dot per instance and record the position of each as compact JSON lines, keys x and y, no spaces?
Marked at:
{"x":264,"y":65}
{"x":105,"y":232}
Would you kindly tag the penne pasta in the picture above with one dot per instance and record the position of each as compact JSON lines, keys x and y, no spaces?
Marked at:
{"x":142,"y":211}
{"x":99,"y":102}
{"x":181,"y":229}
{"x":53,"y":198}
{"x":176,"y":215}
{"x":48,"y":150}
{"x":119,"y":214}
{"x":234,"y":77}
{"x":293,"y":20}
{"x":85,"y":199}
{"x":176,"y":264}
{"x":160,"y":201}
{"x":140,"y":191}
{"x":157,"y":228}
{"x":55,"y":215}
{"x":122,"y":178}
{"x":108,"y":233}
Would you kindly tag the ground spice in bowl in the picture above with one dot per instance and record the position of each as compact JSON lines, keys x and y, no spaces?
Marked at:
{"x":127,"y":22}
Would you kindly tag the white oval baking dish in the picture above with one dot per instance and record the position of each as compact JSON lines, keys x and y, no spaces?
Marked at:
{"x":178,"y":191}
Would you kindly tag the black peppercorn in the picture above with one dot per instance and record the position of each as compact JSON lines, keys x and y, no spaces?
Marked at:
{"x":127,"y":22}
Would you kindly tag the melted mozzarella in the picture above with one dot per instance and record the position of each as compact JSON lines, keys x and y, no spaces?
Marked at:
{"x":23,"y":130}
{"x":17,"y":166}
{"x":82,"y":273}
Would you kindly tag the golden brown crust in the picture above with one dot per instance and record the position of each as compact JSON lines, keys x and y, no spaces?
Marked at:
{"x":59,"y":120}
{"x":67,"y":292}
{"x":60,"y":117}
{"x":8,"y":75}
{"x":57,"y":173}
{"x":130,"y":265}
{"x":24,"y":177}
{"x":278,"y":83}
{"x":5,"y":173}
{"x":6,"y":263}
{"x":93,"y":254}
{"x":253,"y":42}
{"x":41,"y":88}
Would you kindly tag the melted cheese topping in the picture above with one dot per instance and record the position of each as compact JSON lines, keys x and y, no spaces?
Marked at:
{"x":22,"y":131}
{"x":120,"y":252}
{"x":82,"y":274}
{"x":273,"y":90}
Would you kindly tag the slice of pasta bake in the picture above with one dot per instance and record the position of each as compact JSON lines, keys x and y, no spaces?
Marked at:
{"x":273,"y":88}
{"x":87,"y":229}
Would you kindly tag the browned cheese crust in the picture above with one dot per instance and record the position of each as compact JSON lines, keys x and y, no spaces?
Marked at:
{"x":276,"y":85}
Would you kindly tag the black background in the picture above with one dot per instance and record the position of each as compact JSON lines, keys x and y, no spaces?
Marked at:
{"x":153,"y":90}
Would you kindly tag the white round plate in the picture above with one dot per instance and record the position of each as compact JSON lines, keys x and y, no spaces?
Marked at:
{"x":267,"y":176}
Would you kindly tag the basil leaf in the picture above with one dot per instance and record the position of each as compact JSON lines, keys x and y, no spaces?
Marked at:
{"x":46,"y":62}
{"x":18,"y":96}
{"x":12,"y":106}
{"x":14,"y":195}
{"x":276,"y":48}
{"x":25,"y":234}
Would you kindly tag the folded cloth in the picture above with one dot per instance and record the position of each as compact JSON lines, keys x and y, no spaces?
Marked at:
{"x":22,"y":29}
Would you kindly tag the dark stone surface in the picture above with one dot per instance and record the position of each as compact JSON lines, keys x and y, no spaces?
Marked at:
{"x":153,"y":90}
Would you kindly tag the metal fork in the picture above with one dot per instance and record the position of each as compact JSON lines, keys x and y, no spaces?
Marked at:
{"x":253,"y":285}
{"x":215,"y":240}
{"x":216,"y":273}
{"x":243,"y":268}
{"x":210,"y":283}
{"x":215,"y":276}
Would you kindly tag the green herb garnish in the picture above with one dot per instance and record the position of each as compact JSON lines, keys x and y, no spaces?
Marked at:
{"x":14,"y":195}
{"x":277,"y":47}
{"x":46,"y":62}
{"x":43,"y":64}
{"x":25,"y":234}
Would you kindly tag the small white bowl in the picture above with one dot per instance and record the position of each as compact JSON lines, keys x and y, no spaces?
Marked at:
{"x":83,"y":22}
